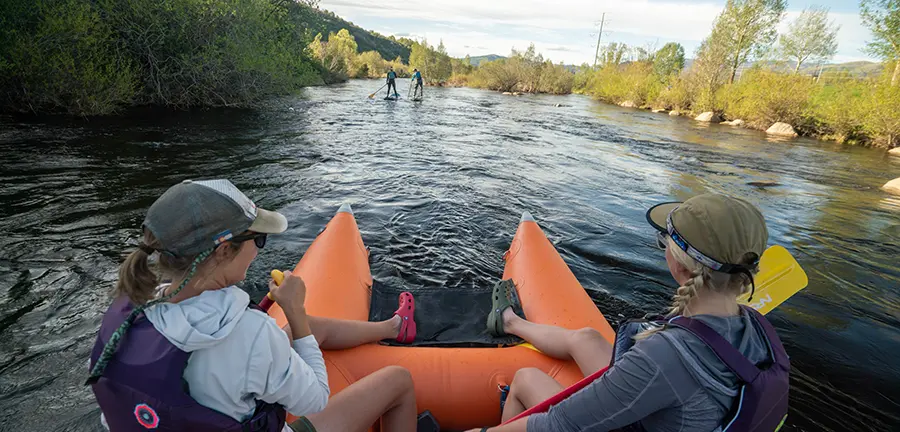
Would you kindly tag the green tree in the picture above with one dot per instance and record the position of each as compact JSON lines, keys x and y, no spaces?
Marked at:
{"x":669,"y":60}
{"x":882,"y":120}
{"x":810,"y":37}
{"x":434,"y":64}
{"x":746,"y":29}
{"x":883,"y":19}
{"x":369,"y":65}
{"x":340,"y":51}
{"x":418,"y":57}
{"x":443,"y":67}
{"x":709,"y":72}
{"x":613,"y":54}
{"x":529,"y":66}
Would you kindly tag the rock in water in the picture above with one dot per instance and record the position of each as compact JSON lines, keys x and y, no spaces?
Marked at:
{"x":763,"y":183}
{"x":735,"y":122}
{"x":628,"y":104}
{"x":709,"y":116}
{"x":659,"y":110}
{"x":781,"y":129}
{"x":674,"y":113}
{"x":894,"y":151}
{"x":508,"y":93}
{"x":892,"y":186}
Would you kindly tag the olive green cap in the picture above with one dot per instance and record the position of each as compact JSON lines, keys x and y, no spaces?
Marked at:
{"x":718,"y":226}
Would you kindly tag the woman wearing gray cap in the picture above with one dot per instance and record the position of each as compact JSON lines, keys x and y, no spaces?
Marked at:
{"x":194,"y":354}
{"x":711,"y":364}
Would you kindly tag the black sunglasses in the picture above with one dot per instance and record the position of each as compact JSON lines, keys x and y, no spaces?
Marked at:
{"x":258,"y":238}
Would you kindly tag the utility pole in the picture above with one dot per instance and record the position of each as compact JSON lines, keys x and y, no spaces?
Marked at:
{"x":597,"y":52}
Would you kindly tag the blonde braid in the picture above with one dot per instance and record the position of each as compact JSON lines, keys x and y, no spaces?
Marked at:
{"x":685,"y":293}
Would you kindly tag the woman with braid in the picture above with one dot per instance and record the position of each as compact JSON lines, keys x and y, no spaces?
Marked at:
{"x":710,"y":365}
{"x":194,"y":354}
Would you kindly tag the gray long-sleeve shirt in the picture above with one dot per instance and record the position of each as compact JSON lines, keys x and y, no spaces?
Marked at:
{"x":669,"y":382}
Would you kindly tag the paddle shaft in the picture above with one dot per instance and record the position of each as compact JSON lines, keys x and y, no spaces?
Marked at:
{"x":268,"y":300}
{"x":376,"y":91}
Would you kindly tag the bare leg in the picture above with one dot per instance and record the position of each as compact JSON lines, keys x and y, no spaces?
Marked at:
{"x":586,"y":346}
{"x":529,"y":387}
{"x":386,"y":393}
{"x":336,"y":334}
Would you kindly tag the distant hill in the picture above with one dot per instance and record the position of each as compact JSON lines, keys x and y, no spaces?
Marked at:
{"x":366,"y":40}
{"x":859,"y":69}
{"x":478,"y":60}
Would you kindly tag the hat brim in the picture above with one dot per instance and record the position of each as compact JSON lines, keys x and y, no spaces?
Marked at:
{"x":268,"y":222}
{"x":657,"y":215}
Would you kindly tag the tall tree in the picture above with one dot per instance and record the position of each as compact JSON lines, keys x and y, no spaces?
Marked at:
{"x":669,"y":60}
{"x":709,"y":72}
{"x":443,"y":66}
{"x":810,"y":37}
{"x":613,"y":54}
{"x":883,"y":19}
{"x":746,"y":29}
{"x":418,"y":58}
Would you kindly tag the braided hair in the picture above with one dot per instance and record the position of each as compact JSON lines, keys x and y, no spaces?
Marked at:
{"x":704,"y":277}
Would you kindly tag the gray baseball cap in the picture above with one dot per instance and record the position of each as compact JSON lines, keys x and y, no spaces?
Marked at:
{"x":195,"y":216}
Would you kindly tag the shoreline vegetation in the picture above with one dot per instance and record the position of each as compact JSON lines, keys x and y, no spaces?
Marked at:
{"x":96,"y":57}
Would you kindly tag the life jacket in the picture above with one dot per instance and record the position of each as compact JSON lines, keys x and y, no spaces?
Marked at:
{"x":142,"y":387}
{"x":762,"y":402}
{"x":391,"y":75}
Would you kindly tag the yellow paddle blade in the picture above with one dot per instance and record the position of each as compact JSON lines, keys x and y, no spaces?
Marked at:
{"x":779,"y":277}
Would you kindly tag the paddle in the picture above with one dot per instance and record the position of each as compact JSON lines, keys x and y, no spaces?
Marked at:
{"x":376,"y":91}
{"x":268,"y":301}
{"x":779,"y":277}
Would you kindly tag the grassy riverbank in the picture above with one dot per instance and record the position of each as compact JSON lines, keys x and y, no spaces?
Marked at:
{"x":840,"y":108}
{"x":88,"y":57}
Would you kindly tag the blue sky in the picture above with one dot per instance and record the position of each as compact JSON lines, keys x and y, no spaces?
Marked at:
{"x":566,"y":30}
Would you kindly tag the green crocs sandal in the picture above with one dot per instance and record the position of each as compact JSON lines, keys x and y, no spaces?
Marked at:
{"x":503,"y":296}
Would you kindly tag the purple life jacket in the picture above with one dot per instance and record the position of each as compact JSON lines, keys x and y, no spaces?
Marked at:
{"x":762,"y":404}
{"x":143,"y":387}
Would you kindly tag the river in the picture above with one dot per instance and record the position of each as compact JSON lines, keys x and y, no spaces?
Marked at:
{"x":438,"y":188}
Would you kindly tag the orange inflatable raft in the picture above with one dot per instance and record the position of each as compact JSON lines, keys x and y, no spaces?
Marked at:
{"x":458,"y":385}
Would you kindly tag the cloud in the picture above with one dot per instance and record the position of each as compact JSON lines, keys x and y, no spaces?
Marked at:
{"x":480,"y":27}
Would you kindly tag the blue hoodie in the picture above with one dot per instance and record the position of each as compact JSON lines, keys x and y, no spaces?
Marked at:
{"x":239,"y":355}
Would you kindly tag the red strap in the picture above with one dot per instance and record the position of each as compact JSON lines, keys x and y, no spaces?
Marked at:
{"x":559,"y":397}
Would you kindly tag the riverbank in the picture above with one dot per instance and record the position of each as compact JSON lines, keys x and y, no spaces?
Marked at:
{"x":101,"y":57}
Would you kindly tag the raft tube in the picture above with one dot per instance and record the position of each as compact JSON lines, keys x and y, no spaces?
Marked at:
{"x":458,"y":385}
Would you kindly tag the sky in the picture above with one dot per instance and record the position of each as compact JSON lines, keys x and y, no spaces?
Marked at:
{"x":566,"y":30}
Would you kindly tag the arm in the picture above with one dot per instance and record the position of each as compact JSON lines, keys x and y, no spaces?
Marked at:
{"x":294,"y":377}
{"x":632,"y":390}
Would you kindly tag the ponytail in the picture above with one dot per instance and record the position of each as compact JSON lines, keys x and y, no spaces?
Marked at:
{"x":136,"y":279}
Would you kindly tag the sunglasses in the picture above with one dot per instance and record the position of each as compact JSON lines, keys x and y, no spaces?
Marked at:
{"x":662,"y":240}
{"x":258,"y":238}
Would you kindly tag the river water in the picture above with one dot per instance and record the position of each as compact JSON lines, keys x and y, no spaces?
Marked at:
{"x":437,"y":188}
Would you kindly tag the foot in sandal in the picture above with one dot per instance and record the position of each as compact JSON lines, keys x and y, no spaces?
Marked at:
{"x":406,"y":311}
